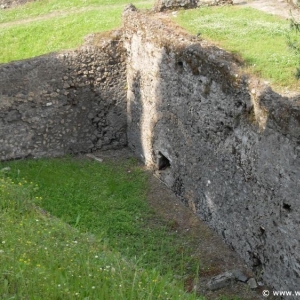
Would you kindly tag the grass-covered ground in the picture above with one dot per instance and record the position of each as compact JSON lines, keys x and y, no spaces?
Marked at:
{"x":45,"y":26}
{"x":257,"y":38}
{"x":42,"y":7}
{"x":101,"y":241}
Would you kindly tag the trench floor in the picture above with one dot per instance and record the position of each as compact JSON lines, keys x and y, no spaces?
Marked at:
{"x":214,"y":255}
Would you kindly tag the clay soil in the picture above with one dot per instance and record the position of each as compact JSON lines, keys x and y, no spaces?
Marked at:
{"x":214,"y":255}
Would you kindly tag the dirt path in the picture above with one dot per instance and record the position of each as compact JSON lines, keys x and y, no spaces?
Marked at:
{"x":275,"y":7}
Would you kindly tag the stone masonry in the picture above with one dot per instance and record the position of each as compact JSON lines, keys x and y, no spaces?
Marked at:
{"x":225,"y":144}
{"x":162,"y":5}
{"x":62,"y":103}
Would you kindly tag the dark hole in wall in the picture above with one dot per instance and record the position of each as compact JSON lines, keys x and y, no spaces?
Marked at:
{"x":180,"y":64}
{"x":286,"y":206}
{"x":163,"y":162}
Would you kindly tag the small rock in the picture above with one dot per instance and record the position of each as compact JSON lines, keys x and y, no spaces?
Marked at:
{"x":53,"y":95}
{"x":90,"y":116}
{"x":129,"y":8}
{"x":94,"y":157}
{"x":220,"y":281}
{"x":252,"y":283}
{"x":260,"y":283}
{"x":239,"y":275}
{"x":6,"y":169}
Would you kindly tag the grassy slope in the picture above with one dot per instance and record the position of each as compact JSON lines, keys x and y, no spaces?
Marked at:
{"x":40,"y":8}
{"x":58,"y":33}
{"x":258,"y":38}
{"x":106,"y":200}
{"x":58,"y":30}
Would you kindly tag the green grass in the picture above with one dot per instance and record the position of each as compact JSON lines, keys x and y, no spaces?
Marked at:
{"x":256,"y":37}
{"x":40,"y":8}
{"x":41,"y":37}
{"x":259,"y":39}
{"x":114,"y":246}
{"x":64,"y":29}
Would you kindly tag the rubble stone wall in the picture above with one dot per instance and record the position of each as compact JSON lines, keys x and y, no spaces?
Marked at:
{"x":162,"y":5}
{"x":228,"y":146}
{"x":65,"y":102}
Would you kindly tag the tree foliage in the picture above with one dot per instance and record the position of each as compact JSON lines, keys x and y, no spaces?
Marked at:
{"x":294,"y":41}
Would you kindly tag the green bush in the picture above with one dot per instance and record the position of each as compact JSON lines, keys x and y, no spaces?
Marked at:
{"x":294,"y":42}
